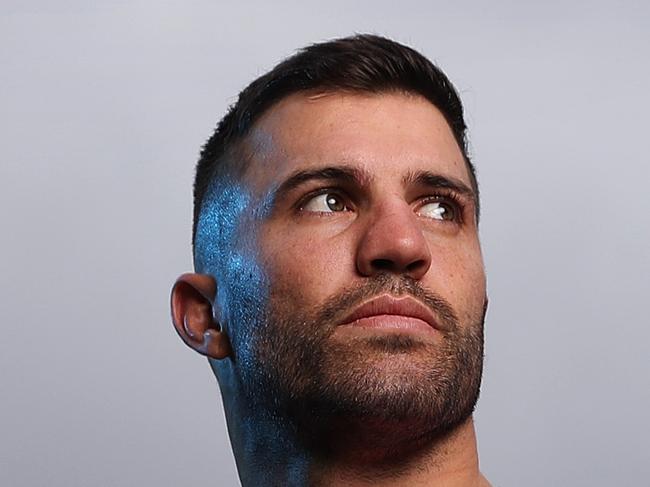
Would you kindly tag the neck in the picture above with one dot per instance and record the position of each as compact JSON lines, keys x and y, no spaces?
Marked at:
{"x":269,"y":452}
{"x":445,"y":460}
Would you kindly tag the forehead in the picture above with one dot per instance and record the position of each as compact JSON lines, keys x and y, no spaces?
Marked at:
{"x":387,"y":134}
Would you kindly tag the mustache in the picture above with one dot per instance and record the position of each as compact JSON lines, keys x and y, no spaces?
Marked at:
{"x":384,"y":283}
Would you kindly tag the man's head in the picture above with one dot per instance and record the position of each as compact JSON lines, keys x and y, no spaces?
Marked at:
{"x":340,"y":277}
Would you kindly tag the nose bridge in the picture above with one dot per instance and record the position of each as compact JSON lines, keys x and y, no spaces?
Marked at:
{"x":393,"y":241}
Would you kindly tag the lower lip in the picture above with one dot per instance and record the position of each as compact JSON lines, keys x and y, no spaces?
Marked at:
{"x":392,"y":322}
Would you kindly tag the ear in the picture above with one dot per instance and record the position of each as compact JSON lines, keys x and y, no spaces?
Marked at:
{"x":192,"y":300}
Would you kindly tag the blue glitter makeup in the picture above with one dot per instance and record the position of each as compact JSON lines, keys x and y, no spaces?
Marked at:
{"x":226,"y":248}
{"x":223,"y":206}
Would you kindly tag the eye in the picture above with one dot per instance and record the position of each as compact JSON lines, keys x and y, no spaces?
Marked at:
{"x":325,"y":203}
{"x":438,"y":210}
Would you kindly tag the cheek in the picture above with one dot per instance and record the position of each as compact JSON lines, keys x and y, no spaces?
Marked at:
{"x":460,"y":277}
{"x":310,"y":266}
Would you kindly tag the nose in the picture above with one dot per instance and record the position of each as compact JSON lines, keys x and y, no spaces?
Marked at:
{"x":393,"y":242}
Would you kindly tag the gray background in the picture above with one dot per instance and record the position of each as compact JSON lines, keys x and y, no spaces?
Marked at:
{"x":103,"y":110}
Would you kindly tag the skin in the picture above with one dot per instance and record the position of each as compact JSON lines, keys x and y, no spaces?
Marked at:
{"x":299,"y":253}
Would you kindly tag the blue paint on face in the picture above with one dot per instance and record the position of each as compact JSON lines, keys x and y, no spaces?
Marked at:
{"x":264,"y":208}
{"x":223,"y":206}
{"x":226,"y":248}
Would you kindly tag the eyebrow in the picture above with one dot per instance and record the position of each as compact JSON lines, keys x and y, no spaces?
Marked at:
{"x":433,"y":180}
{"x":344,"y":174}
{"x":360,"y":177}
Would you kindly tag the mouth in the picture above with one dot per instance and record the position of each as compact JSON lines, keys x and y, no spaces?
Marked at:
{"x":391,"y":313}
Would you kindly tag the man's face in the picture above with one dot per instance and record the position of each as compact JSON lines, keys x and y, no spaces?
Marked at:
{"x":356,"y":199}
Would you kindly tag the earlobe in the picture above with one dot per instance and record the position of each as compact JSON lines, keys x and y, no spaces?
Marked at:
{"x":192,"y":299}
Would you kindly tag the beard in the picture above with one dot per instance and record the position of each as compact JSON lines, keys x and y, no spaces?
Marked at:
{"x":379,"y":388}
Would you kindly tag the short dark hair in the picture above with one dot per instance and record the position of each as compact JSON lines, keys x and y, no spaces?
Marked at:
{"x":356,"y":64}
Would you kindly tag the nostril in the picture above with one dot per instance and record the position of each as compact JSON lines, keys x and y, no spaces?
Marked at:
{"x":383,"y":264}
{"x":391,"y":266}
{"x":414,"y":266}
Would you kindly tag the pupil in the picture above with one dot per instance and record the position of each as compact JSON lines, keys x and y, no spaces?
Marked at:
{"x":334,"y":204}
{"x":444,"y":212}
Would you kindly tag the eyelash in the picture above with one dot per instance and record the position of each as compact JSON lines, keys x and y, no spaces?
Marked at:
{"x":442,"y":194}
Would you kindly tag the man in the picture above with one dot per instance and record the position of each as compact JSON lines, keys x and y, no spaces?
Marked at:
{"x":339,"y":291}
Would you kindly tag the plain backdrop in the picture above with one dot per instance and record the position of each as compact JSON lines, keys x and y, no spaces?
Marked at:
{"x":103,"y":109}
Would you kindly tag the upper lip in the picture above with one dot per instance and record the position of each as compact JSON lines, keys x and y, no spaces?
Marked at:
{"x":390,"y":305}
